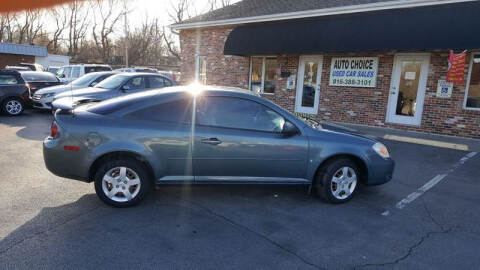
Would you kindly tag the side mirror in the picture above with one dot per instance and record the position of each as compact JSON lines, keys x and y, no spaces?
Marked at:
{"x":289,"y":129}
{"x":93,"y":84}
{"x":62,"y":76}
{"x":125,"y":88}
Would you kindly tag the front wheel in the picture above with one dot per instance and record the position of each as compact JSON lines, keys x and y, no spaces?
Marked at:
{"x":122,"y":183}
{"x":337,"y":181}
{"x":13,"y":106}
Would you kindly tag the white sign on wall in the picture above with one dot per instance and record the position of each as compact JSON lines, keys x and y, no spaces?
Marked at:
{"x":444,"y":89}
{"x":354,"y":71}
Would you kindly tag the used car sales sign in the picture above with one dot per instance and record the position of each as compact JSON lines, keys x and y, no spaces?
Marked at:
{"x":354,"y":71}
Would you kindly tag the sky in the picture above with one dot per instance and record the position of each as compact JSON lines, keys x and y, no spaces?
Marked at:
{"x":159,"y":9}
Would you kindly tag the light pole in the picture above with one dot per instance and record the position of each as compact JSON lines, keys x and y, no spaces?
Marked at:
{"x":126,"y":32}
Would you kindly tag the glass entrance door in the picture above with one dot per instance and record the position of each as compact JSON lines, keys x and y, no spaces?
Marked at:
{"x":308,"y":84}
{"x":407,"y":90}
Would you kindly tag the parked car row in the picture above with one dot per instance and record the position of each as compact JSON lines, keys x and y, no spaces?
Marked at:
{"x":39,"y":89}
{"x":17,"y":88}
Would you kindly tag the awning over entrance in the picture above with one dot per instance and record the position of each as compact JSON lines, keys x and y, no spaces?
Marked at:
{"x":452,"y":26}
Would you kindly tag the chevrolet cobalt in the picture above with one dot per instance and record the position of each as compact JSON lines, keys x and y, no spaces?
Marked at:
{"x":200,"y":135}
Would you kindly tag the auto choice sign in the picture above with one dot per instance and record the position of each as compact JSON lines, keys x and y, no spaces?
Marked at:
{"x":354,"y":71}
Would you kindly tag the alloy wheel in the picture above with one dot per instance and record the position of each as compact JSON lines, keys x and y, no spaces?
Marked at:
{"x":13,"y":107}
{"x":343,"y":183}
{"x":121,"y":184}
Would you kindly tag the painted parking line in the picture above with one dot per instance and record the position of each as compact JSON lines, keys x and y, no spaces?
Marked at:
{"x":455,"y":146}
{"x":430,"y":184}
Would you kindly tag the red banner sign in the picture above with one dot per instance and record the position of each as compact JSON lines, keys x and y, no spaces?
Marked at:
{"x":456,"y":67}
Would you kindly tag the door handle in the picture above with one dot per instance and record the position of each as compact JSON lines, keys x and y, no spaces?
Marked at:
{"x":211,"y":141}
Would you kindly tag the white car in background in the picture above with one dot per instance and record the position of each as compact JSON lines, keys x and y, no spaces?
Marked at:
{"x":70,"y":73}
{"x":42,"y":99}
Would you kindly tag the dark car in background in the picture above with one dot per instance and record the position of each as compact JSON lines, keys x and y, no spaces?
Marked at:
{"x":37,"y":80}
{"x":206,"y":135}
{"x":13,"y":92}
{"x":118,"y":85}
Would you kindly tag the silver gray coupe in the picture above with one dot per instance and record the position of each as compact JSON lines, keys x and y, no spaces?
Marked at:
{"x":205,"y":135}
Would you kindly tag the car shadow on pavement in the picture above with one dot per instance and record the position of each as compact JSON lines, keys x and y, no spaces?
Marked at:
{"x":34,"y":125}
{"x":175,"y":227}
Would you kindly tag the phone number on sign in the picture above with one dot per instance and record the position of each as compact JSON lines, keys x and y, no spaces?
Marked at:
{"x":352,"y":82}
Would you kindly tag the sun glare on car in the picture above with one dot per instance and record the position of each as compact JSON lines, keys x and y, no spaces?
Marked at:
{"x":195,"y":88}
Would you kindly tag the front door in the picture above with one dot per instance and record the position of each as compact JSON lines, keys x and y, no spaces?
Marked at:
{"x":407,"y":89}
{"x":308,"y":84}
{"x":241,"y":140}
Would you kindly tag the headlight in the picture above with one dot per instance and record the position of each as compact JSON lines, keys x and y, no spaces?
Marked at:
{"x":381,"y":150}
{"x":48,"y":95}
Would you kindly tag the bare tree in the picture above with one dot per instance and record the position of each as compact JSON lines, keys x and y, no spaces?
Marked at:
{"x":7,"y":27}
{"x":216,"y":4}
{"x":60,"y":15}
{"x":78,"y":24}
{"x":180,"y":11}
{"x":146,"y":44}
{"x":104,"y":25}
{"x":28,"y":26}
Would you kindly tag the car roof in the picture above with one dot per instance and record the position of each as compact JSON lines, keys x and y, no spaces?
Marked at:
{"x":86,"y":65}
{"x":35,"y":72}
{"x":132,"y":74}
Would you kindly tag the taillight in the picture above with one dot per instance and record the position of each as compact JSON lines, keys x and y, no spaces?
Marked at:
{"x":54,"y":130}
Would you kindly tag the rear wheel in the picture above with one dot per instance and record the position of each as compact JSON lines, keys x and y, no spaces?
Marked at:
{"x":13,"y":106}
{"x":337,"y":181}
{"x":122,"y":183}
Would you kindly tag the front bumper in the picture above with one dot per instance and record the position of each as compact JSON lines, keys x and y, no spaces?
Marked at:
{"x":380,"y":170}
{"x":42,"y":103}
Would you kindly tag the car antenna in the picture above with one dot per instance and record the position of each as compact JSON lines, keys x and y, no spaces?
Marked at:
{"x":71,"y":96}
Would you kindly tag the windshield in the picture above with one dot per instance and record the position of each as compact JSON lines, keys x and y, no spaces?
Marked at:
{"x":85,"y":80}
{"x":113,"y":82}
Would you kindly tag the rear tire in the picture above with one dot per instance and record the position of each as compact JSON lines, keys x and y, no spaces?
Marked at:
{"x":122,"y":183}
{"x":337,"y":181}
{"x":13,"y":106}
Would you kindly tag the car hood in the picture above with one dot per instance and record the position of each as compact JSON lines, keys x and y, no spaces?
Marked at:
{"x":345,"y":130}
{"x":84,"y":92}
{"x":57,"y":89}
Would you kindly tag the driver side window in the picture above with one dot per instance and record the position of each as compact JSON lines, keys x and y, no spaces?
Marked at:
{"x":237,"y":113}
{"x":135,"y":83}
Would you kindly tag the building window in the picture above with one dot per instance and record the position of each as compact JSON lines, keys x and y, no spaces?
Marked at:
{"x":473,"y":85}
{"x":263,"y":74}
{"x":201,"y":69}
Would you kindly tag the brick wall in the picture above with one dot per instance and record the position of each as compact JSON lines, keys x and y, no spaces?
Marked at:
{"x":221,"y":69}
{"x":14,"y":59}
{"x":367,"y":106}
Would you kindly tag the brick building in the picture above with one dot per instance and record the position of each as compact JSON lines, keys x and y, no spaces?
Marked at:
{"x":14,"y":54}
{"x":370,"y":62}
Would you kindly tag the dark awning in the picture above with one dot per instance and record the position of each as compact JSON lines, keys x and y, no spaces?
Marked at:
{"x":452,"y":26}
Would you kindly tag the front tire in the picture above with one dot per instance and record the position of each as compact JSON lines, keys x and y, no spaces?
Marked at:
{"x":122,"y":183}
{"x":337,"y":181}
{"x":13,"y":106}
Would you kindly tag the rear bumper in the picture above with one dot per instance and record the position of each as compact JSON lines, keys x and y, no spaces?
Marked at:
{"x":380,"y":171}
{"x":63,"y":163}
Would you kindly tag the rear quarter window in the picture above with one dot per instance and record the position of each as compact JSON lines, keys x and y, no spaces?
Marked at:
{"x":177,"y":111}
{"x":8,"y":79}
{"x":97,"y":69}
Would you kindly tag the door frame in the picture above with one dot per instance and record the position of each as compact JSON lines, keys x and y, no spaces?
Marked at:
{"x":391,"y":116}
{"x":299,"y":88}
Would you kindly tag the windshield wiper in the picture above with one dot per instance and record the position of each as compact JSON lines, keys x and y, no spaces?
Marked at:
{"x":314,"y":122}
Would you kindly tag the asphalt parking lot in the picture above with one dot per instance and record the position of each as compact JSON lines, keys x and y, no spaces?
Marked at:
{"x":47,"y":222}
